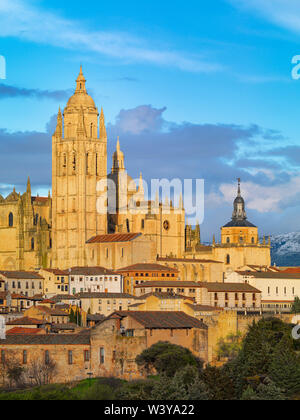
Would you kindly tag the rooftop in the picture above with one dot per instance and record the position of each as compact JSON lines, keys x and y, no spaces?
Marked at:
{"x":26,"y":275}
{"x":26,"y":321}
{"x":162,"y":320}
{"x":148,"y":267}
{"x":105,"y":296}
{"x":46,"y":339}
{"x":195,"y":260}
{"x":91,"y":271}
{"x":116,"y":237}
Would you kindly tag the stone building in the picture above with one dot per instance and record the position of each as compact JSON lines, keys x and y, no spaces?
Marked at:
{"x":94,"y":280}
{"x":109,"y":349}
{"x":240,"y":244}
{"x":139,"y":273}
{"x":24,"y":283}
{"x":25,"y":231}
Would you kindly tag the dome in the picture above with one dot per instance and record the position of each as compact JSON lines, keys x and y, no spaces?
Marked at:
{"x":81,"y":99}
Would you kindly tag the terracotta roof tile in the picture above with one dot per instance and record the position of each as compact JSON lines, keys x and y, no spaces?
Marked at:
{"x":117,"y":237}
{"x":23,"y":331}
{"x":26,"y":321}
{"x":148,"y":267}
{"x":21,"y":275}
{"x":46,"y":339}
{"x":91,"y":271}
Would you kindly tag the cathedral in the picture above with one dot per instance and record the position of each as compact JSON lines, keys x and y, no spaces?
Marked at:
{"x":100,"y":218}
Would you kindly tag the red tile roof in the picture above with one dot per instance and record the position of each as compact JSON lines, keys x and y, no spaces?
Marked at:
{"x":188,"y":260}
{"x":21,"y":275}
{"x":26,"y":321}
{"x":116,"y":237}
{"x":23,"y":331}
{"x":56,"y":271}
{"x":294,"y":270}
{"x":148,"y":267}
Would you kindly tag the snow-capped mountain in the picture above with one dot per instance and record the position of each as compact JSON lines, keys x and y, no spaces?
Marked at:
{"x":286,"y":249}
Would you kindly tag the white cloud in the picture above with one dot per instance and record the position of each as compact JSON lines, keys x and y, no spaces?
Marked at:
{"x":265,"y":199}
{"x":23,"y":20}
{"x":284,"y":13}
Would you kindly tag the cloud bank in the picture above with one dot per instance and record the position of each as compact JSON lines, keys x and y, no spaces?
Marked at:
{"x":24,"y":20}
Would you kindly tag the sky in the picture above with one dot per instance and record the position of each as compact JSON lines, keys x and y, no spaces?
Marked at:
{"x":194,"y":90}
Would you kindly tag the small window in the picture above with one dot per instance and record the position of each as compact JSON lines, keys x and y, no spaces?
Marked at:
{"x":86,"y":355}
{"x":228,"y":259}
{"x":25,"y":357}
{"x":10,"y":220}
{"x":47,"y":357}
{"x":70,"y":357}
{"x":32,"y":244}
{"x":102,"y":355}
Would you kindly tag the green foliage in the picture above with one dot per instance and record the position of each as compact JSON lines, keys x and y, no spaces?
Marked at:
{"x":230,"y":346}
{"x":219,"y":384}
{"x":296,"y":306}
{"x":266,"y":391}
{"x":285,"y":367}
{"x":167,"y":358}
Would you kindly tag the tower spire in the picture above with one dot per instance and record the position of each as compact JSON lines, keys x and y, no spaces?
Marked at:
{"x":28,"y":186}
{"x":80,"y":82}
{"x":102,"y":129}
{"x":239,"y":212}
{"x":59,"y":128}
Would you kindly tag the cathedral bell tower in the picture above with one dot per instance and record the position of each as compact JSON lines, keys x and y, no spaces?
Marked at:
{"x":79,"y":162}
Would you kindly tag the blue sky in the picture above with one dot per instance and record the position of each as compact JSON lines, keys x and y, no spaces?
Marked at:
{"x":206,"y":84}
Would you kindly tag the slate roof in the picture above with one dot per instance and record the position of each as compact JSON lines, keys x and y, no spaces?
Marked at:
{"x":52,"y":312}
{"x":239,"y":223}
{"x":162,"y":319}
{"x":46,"y":339}
{"x":270,"y":275}
{"x":116,"y":237}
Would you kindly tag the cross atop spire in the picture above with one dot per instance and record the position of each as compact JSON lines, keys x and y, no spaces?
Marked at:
{"x":80,"y":81}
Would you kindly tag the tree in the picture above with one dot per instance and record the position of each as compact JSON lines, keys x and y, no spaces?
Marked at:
{"x":266,"y":391}
{"x":285,"y":367}
{"x":166,"y":358}
{"x":296,"y":306}
{"x":230,"y":346}
{"x":219,"y":384}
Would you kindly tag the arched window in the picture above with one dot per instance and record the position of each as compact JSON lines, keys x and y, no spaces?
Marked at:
{"x":253,"y":240}
{"x":143,"y":224}
{"x":127,"y":225}
{"x":10,"y":220}
{"x":32,"y":244}
{"x":228,"y":240}
{"x":228,"y":259}
{"x":91,"y":130}
{"x":74,"y":161}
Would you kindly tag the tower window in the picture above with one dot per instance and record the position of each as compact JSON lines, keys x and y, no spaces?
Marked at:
{"x":228,"y":259}
{"x":10,"y":220}
{"x":32,"y":244}
{"x":228,"y":240}
{"x":253,"y":240}
{"x":127,"y":225}
{"x":87,"y":163}
{"x":143,"y":224}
